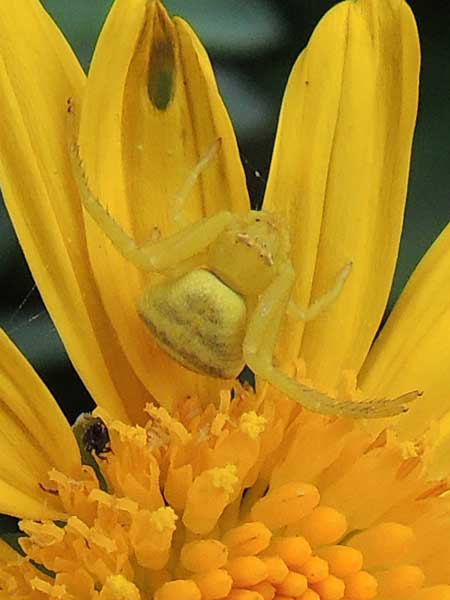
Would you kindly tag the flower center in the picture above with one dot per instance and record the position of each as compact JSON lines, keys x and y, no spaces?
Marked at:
{"x":208,"y":506}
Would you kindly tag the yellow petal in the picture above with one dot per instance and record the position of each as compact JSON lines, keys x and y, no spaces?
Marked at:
{"x":38,"y":73}
{"x":340,"y":171}
{"x":7,"y":554}
{"x":151,"y":112}
{"x":413,"y":349}
{"x":439,"y":464}
{"x":34,"y":438}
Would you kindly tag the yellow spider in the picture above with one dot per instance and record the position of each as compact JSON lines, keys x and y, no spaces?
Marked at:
{"x":227,"y":288}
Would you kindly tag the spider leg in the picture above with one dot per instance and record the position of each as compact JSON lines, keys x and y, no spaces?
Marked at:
{"x":324,"y":301}
{"x":177,"y":204}
{"x":161,"y":254}
{"x":259,"y":346}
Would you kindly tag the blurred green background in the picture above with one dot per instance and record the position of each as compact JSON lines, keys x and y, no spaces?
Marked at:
{"x":253,"y":45}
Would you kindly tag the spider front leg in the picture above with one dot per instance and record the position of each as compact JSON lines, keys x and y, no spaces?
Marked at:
{"x":157,"y":256}
{"x":259,"y":346}
{"x":176,"y":207}
{"x":322,"y":303}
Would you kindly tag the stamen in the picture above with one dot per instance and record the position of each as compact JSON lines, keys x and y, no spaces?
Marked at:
{"x":225,"y":478}
{"x":294,"y":585}
{"x":277,"y":569}
{"x":310,"y":595}
{"x":361,"y":586}
{"x":163,"y":518}
{"x":245,"y":595}
{"x":315,"y":569}
{"x":207,"y":498}
{"x":151,"y":536}
{"x":248,"y":539}
{"x":252,"y":424}
{"x":214,"y":584}
{"x":175,"y":590}
{"x":294,"y":551}
{"x":204,"y":555}
{"x":286,"y":504}
{"x":324,"y":525}
{"x":265,"y":590}
{"x":330,"y":588}
{"x":342,"y":560}
{"x":247,"y":570}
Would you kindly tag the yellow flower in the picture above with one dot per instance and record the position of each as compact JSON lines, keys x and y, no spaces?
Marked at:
{"x":199,"y":493}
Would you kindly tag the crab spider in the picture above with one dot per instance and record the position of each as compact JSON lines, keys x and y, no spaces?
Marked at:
{"x":227,"y":288}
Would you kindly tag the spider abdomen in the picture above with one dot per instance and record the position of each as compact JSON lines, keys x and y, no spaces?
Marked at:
{"x":199,"y":321}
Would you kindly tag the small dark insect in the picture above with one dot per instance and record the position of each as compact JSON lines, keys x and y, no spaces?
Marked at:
{"x":96,"y":438}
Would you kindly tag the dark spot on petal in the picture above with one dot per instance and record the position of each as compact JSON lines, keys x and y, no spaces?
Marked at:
{"x":161,"y":67}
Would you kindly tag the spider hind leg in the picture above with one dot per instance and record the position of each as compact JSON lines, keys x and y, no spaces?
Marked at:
{"x":259,"y":347}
